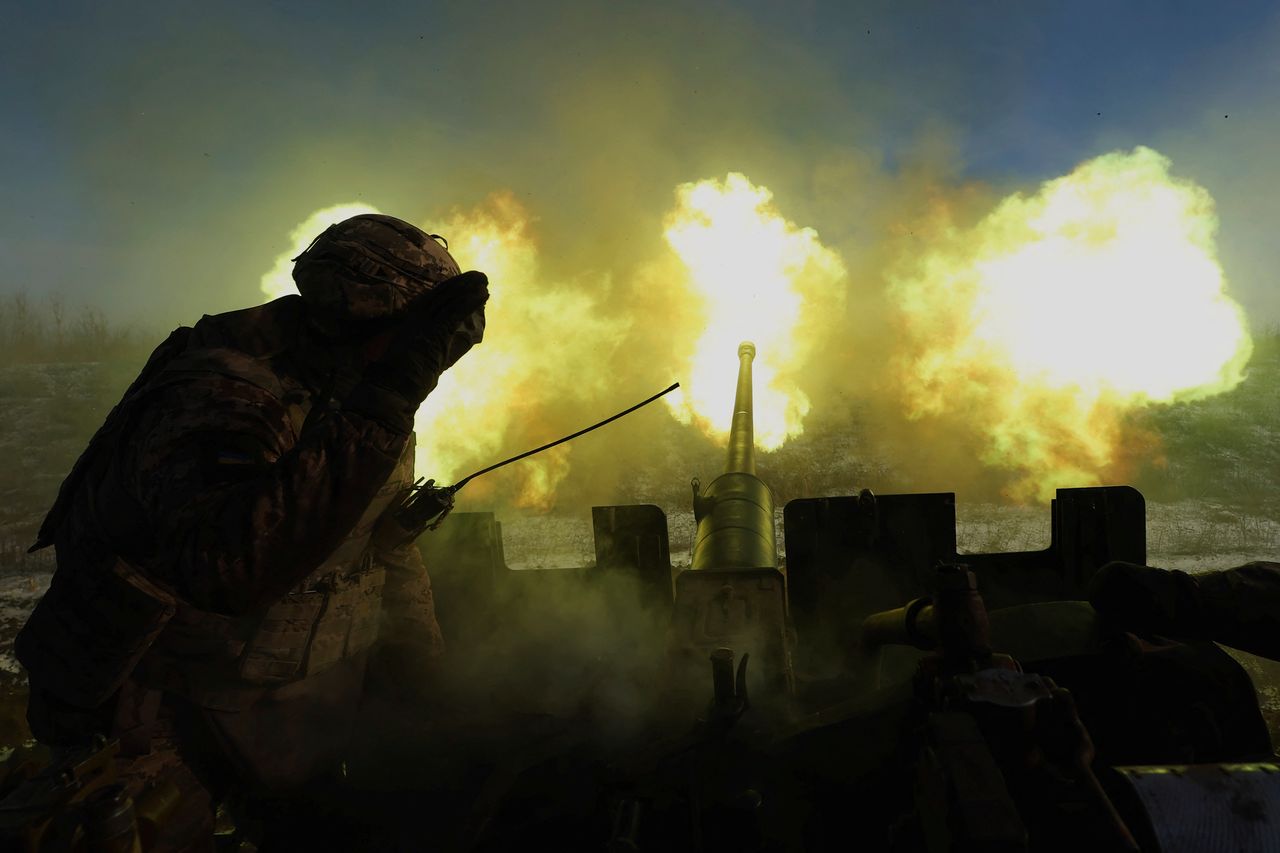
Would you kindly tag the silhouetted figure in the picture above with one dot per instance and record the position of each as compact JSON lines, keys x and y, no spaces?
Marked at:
{"x":219,"y":594}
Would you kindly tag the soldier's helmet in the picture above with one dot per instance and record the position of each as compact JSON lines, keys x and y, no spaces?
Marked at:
{"x":369,"y":267}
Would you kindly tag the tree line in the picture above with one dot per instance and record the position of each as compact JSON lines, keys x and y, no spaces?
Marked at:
{"x":35,"y":331}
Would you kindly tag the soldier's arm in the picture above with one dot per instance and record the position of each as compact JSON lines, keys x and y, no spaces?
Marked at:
{"x":1238,"y":607}
{"x":1242,"y":607}
{"x":241,"y":509}
{"x":235,"y":543}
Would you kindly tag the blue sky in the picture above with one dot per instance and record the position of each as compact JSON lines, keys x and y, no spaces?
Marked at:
{"x":153,"y":155}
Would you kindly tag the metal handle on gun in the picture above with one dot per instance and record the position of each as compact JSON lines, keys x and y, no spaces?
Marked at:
{"x":428,"y":505}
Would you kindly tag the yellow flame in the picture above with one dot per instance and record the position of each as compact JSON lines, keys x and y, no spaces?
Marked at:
{"x":544,"y":344}
{"x":752,"y":276}
{"x":279,"y":281}
{"x":1059,"y":314}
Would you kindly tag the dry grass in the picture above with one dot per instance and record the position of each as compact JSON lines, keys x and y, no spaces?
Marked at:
{"x":47,"y":330}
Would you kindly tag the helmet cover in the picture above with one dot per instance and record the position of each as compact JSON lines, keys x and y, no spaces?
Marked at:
{"x":369,"y":267}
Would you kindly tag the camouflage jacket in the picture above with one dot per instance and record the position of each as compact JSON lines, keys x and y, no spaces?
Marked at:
{"x":225,"y":487}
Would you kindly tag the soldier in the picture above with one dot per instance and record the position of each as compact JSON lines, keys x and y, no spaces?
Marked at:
{"x":219,"y":591}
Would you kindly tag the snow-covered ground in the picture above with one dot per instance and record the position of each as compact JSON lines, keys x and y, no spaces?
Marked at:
{"x":1189,"y":535}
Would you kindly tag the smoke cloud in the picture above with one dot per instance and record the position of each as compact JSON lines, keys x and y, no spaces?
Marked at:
{"x":547,"y":143}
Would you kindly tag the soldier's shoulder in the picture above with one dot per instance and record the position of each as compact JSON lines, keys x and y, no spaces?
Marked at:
{"x":236,"y":347}
{"x":236,"y":373}
{"x":262,"y":330}
{"x":208,"y":394}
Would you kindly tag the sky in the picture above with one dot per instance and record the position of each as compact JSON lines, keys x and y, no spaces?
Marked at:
{"x":154,"y":156}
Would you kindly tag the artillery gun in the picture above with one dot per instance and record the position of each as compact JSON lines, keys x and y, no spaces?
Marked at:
{"x":884,"y":706}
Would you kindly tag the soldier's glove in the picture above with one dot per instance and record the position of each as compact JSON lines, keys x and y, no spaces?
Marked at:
{"x":1149,"y":601}
{"x":438,"y":330}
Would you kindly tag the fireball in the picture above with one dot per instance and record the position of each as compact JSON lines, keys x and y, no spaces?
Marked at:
{"x":547,"y":348}
{"x":751,"y":276}
{"x":1061,"y":314}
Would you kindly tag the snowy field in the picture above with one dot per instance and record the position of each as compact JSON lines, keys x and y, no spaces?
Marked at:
{"x":1190,"y":535}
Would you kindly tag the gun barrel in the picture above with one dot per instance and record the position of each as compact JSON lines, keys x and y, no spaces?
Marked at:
{"x":735,"y":511}
{"x":742,"y":440}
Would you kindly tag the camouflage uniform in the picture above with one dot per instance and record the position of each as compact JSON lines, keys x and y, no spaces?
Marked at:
{"x":218,"y":581}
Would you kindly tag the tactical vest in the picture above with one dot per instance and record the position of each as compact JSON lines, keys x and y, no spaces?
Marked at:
{"x":225,"y":663}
